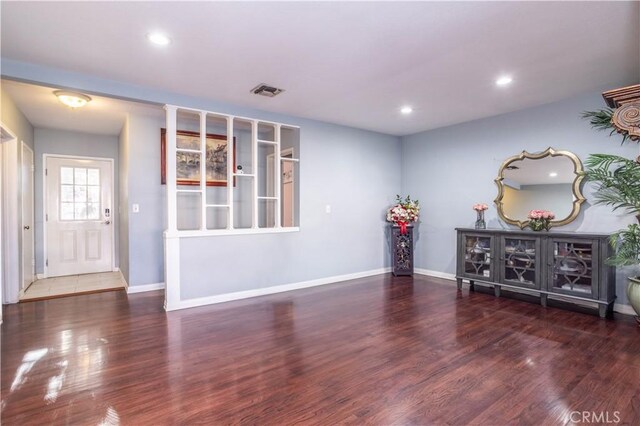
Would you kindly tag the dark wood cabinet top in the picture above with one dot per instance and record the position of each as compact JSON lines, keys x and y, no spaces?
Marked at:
{"x":552,"y":233}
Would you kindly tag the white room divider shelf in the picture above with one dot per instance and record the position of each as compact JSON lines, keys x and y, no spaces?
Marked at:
{"x":172,"y":234}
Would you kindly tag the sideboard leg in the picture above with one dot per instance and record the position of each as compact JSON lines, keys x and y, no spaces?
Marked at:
{"x":543,"y":300}
{"x":472,"y":286}
{"x":496,"y":290}
{"x":459,"y":282}
{"x":602,"y":310}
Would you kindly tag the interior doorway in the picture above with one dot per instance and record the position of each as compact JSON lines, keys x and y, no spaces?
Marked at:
{"x":78,"y":225}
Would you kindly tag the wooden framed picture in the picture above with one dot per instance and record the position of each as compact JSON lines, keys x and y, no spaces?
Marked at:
{"x":188,"y":163}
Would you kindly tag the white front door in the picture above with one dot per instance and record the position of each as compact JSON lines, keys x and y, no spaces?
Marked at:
{"x":79,"y":216}
{"x":28,"y":259}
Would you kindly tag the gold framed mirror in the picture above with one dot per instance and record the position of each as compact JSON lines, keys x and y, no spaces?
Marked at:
{"x":549,"y":180}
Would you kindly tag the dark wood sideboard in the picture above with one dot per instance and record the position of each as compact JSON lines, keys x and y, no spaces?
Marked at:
{"x":568,"y":265}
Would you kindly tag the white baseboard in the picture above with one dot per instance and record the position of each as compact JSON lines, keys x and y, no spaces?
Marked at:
{"x":617,"y":307}
{"x":41,"y":276}
{"x":436,"y":274}
{"x":210,"y":300}
{"x":144,"y":287}
{"x":624,"y":309}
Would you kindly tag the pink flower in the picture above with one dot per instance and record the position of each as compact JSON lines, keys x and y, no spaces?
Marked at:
{"x":541,"y":215}
{"x":479,"y":207}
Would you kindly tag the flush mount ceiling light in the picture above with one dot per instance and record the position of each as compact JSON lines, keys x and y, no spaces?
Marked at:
{"x":72,"y":99}
{"x":505,"y":80}
{"x":553,"y":174}
{"x":158,"y":38}
{"x":406,"y":110}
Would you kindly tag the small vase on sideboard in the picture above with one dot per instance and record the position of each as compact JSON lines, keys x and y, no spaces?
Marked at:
{"x":480,"y":223}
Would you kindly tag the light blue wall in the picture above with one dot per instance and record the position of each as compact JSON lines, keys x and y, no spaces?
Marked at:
{"x":14,"y":119}
{"x":354,"y":171}
{"x":146,"y":252}
{"x":62,"y":142}
{"x":450,"y":169}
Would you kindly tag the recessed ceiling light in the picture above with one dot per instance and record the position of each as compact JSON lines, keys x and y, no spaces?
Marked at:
{"x":159,"y":39}
{"x":505,"y":80}
{"x":72,"y":99}
{"x":406,"y":110}
{"x":553,"y":174}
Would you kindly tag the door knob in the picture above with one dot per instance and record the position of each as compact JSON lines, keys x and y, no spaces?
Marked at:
{"x":107,"y":222}
{"x":26,"y":227}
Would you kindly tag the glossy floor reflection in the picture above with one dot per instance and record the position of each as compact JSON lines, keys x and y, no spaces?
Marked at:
{"x":377,"y":350}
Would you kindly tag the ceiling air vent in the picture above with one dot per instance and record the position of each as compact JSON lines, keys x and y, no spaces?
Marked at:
{"x":266,"y":90}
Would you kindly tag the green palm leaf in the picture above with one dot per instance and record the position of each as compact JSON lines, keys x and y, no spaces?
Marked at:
{"x":618,"y":186}
{"x":602,"y":120}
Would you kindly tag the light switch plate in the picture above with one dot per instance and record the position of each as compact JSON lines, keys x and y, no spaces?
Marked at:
{"x":135,"y":208}
{"x":327,"y":208}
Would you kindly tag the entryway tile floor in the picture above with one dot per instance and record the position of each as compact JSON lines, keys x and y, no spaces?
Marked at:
{"x":73,"y":284}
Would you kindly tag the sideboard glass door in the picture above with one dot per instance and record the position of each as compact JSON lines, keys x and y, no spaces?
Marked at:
{"x":574,"y":268}
{"x":520,"y":261}
{"x":477,"y":256}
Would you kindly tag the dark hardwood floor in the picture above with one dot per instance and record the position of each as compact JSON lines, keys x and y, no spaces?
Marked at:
{"x":377,"y":350}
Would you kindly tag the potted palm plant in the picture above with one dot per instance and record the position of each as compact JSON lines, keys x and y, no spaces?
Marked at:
{"x":618,"y":186}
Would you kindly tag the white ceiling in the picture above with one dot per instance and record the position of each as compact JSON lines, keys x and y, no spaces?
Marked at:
{"x":103,"y":116}
{"x":353,"y":63}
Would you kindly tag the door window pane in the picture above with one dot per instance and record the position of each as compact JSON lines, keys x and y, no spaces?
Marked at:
{"x":66,"y":192}
{"x":80,"y":176}
{"x":93,"y":176}
{"x":80,"y":211}
{"x":93,"y":194}
{"x":80,"y":193}
{"x":66,"y":175}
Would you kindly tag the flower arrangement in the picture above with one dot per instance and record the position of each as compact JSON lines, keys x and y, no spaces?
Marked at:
{"x":540,"y":219}
{"x":480,"y":207}
{"x":404,"y":212}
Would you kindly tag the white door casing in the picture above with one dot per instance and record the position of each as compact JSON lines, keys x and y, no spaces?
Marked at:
{"x":26,"y":180}
{"x":79,"y":230}
{"x":11,"y":235}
